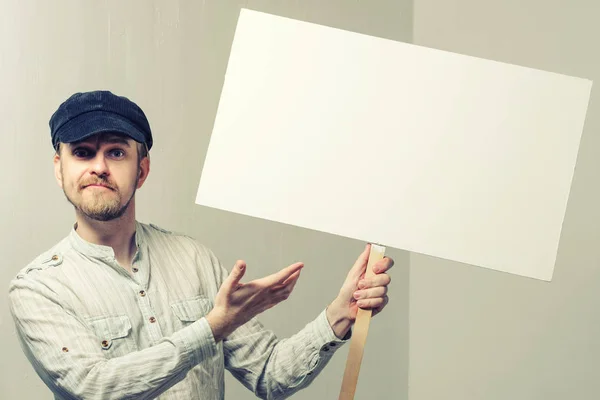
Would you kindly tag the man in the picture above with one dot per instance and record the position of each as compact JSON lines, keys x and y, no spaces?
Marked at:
{"x":120,"y":309}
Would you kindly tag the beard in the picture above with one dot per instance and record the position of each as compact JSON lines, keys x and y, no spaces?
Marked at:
{"x":101,"y":204}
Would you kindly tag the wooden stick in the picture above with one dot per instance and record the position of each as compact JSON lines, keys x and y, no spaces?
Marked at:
{"x":359,"y":334}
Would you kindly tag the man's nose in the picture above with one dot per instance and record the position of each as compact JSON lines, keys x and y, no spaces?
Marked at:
{"x":99,"y":165}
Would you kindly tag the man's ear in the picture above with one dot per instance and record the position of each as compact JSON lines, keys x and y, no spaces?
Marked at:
{"x":143,"y":171}
{"x":57,"y":174}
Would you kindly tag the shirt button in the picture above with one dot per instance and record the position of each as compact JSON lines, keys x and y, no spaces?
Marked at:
{"x":105,"y":343}
{"x":152,"y":319}
{"x":135,"y":269}
{"x":142,"y":293}
{"x":64,"y":349}
{"x":54,"y":257}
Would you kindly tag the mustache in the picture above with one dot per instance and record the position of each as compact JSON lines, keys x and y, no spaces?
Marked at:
{"x":97,"y":182}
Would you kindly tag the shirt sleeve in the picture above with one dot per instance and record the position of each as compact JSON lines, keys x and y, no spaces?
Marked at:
{"x":65,"y":354}
{"x":275,"y":368}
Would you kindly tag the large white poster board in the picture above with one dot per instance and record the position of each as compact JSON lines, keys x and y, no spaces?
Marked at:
{"x":428,"y":151}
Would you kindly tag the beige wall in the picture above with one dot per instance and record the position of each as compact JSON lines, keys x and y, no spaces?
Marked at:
{"x":170,"y":57}
{"x":478,"y":334}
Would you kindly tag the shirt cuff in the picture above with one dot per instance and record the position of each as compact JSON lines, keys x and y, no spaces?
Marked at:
{"x":325,"y":334}
{"x":198,"y":341}
{"x":323,"y":343}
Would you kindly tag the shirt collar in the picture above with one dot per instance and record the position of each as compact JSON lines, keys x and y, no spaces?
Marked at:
{"x":101,"y":251}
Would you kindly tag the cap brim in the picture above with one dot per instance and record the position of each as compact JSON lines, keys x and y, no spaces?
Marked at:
{"x":93,"y":123}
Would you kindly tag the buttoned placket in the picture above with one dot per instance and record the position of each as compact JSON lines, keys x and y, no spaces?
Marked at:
{"x":137,"y":279}
{"x":140,"y":274}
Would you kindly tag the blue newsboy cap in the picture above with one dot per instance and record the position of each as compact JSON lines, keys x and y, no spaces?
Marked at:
{"x":85,"y":114}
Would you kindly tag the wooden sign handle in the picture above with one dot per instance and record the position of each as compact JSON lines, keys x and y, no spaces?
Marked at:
{"x":359,"y":334}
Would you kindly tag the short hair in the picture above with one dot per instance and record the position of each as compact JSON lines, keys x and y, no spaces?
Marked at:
{"x":143,"y":151}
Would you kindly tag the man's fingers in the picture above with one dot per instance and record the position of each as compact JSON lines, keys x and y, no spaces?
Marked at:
{"x":376,"y":303}
{"x":280,"y":277}
{"x":383,"y":265}
{"x":361,"y":262}
{"x":377,"y":280}
{"x":290,"y":281}
{"x":371,"y":293}
{"x":235,"y":275}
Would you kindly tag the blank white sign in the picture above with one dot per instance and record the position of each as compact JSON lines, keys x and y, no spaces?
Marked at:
{"x":414,"y":148}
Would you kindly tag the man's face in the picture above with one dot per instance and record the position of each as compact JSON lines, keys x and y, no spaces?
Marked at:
{"x":100,"y":175}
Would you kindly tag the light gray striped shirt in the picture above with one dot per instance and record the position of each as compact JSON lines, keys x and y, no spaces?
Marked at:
{"x":94,"y":331}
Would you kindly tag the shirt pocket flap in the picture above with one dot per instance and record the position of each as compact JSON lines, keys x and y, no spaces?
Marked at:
{"x":191,"y":310}
{"x":110,"y":328}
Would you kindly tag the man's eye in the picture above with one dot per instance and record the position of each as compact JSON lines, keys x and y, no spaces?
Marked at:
{"x":118,"y":153}
{"x":80,"y":153}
